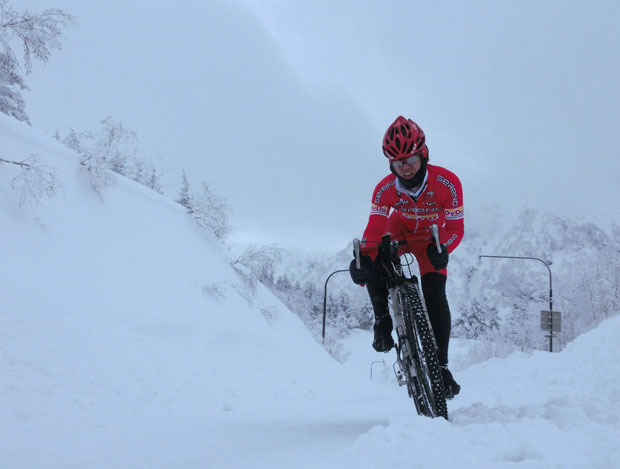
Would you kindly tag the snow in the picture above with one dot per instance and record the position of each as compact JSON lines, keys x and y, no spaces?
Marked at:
{"x":128,"y":340}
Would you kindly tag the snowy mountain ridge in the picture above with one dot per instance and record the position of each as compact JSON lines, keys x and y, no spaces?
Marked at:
{"x":487,"y":293}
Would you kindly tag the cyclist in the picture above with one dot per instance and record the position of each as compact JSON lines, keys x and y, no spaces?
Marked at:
{"x":418,"y":195}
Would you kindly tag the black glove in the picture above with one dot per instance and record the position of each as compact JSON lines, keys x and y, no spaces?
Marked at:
{"x":439,"y":260}
{"x":360,"y":276}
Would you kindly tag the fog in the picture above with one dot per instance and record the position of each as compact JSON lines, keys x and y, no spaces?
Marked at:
{"x":281,"y":105}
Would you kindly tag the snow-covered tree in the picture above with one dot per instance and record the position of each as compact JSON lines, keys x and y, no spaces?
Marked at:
{"x":306,"y":300}
{"x":475,"y":321}
{"x":283,"y":284}
{"x":210,"y":211}
{"x":37,"y":35}
{"x":112,"y":149}
{"x":153,"y":180}
{"x":259,"y":263}
{"x":34,"y":181}
{"x":185,"y":188}
{"x":590,"y":285}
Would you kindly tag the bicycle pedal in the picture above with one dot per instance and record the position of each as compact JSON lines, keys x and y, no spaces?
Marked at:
{"x":401,"y":380}
{"x":399,"y":375}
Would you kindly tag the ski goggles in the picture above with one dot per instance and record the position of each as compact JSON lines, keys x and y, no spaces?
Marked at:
{"x":412,"y":160}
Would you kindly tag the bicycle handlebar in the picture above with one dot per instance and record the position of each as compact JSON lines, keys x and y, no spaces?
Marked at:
{"x":357,"y":250}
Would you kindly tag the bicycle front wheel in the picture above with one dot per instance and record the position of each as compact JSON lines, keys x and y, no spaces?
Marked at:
{"x":427,"y":387}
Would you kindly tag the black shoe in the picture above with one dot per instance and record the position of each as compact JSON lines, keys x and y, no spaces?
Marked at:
{"x":451,"y":387}
{"x":383,"y":341}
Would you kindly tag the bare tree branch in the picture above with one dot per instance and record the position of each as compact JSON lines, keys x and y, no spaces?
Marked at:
{"x":18,"y":163}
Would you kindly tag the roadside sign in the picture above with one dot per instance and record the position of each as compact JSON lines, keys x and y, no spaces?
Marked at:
{"x":551,"y":321}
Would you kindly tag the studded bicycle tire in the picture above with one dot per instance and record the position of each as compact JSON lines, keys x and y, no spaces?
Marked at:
{"x":427,"y":387}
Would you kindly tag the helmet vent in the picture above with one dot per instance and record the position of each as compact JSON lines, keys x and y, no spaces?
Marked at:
{"x":403,"y":138}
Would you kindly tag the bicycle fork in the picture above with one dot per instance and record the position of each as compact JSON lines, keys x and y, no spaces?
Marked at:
{"x":401,"y":368}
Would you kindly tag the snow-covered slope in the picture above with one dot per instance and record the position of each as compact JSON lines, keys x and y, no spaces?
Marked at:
{"x":120,"y":315}
{"x":127,"y":340}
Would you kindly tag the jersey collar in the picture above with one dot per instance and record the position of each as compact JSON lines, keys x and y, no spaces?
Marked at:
{"x":414,"y":194}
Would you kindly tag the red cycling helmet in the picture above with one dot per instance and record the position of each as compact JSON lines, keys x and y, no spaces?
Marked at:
{"x":402,"y":139}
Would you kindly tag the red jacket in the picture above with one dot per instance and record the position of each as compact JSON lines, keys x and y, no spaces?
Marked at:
{"x":440,"y":202}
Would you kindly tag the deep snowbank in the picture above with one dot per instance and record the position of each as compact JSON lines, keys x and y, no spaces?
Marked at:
{"x":541,"y":410}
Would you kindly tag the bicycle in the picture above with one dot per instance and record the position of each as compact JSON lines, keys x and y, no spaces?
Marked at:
{"x":416,"y":348}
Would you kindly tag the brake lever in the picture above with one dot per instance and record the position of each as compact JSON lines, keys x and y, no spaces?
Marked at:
{"x":435,"y":231}
{"x":356,"y":252}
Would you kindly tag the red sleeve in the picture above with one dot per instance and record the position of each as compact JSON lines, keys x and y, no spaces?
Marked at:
{"x":379,"y":211}
{"x":372,"y":235}
{"x":452,"y":204}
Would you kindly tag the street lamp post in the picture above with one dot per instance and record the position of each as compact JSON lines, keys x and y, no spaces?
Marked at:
{"x":325,"y":299}
{"x":550,"y":290}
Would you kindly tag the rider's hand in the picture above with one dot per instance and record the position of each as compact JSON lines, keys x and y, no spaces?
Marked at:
{"x":360,"y":276}
{"x":439,"y":260}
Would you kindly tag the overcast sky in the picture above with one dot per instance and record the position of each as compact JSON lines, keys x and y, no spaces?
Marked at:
{"x":281,"y":105}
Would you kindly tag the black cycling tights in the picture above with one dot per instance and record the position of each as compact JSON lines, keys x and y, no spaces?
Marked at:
{"x":434,"y":291}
